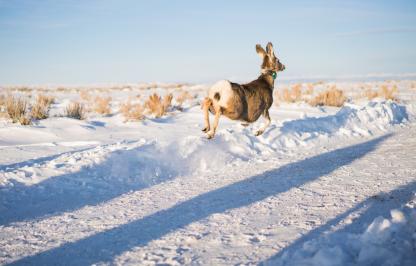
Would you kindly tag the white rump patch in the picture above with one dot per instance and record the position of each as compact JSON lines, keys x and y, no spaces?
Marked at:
{"x":223,"y":88}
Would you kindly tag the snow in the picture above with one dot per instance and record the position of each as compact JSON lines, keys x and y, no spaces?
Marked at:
{"x":191,"y":154}
{"x":322,"y":186}
{"x":386,"y":241}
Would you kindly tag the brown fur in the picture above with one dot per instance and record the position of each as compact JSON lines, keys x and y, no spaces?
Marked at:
{"x":217,"y":96}
{"x":249,"y":101}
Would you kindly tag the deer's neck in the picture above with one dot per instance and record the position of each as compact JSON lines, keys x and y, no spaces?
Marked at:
{"x":268,"y":78}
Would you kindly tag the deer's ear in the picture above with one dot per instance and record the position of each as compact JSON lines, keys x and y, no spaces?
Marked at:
{"x":269,"y":49}
{"x":260,"y":51}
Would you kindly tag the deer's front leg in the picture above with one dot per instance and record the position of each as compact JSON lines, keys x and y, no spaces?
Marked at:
{"x":263,"y":128}
{"x":205,"y":108}
{"x":211,"y":133}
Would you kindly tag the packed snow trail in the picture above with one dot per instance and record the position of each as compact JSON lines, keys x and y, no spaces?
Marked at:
{"x":386,"y":241}
{"x":238,"y":198}
{"x":244,"y":213}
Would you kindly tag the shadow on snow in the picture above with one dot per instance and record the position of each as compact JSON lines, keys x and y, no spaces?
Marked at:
{"x":379,"y":205}
{"x":122,"y":171}
{"x":104,"y":246}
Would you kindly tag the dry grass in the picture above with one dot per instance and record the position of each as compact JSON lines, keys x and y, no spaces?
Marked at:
{"x":2,"y":101}
{"x":17,"y":110}
{"x":309,"y":89}
{"x":3,"y":113}
{"x":294,"y":94}
{"x":158,"y":106}
{"x":62,"y":89}
{"x":24,"y":89}
{"x":132,"y":112}
{"x":384,"y":91}
{"x":330,"y":97}
{"x":388,"y":93}
{"x":183,"y":97}
{"x":102,"y":105}
{"x":40,"y":110}
{"x":75,"y":110}
{"x":370,"y":94}
{"x":85,"y":95}
{"x":45,"y":99}
{"x":25,"y":120}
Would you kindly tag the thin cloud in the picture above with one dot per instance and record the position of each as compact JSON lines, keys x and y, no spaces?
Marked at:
{"x":376,"y":32}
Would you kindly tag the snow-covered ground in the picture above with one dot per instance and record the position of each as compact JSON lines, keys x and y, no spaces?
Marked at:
{"x":322,"y":186}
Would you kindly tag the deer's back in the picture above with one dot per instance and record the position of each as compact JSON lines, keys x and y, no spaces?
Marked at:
{"x":241,"y":102}
{"x":257,"y":99}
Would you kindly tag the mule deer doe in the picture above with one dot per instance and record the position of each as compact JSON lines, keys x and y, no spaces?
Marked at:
{"x":244,"y":102}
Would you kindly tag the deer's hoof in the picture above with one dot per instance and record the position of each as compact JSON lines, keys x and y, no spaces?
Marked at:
{"x":258,"y":132}
{"x":210,"y":136}
{"x":206,"y":129}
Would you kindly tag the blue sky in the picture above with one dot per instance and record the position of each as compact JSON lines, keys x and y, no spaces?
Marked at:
{"x":82,"y":42}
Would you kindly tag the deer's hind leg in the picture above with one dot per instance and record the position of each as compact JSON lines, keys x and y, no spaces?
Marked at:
{"x":218,"y":113}
{"x":205,"y":108}
{"x":263,"y":128}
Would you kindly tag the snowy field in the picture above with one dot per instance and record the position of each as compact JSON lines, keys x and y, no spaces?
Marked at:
{"x":322,"y":186}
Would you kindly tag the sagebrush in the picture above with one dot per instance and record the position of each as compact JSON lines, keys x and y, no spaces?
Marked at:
{"x":85,"y":95}
{"x":102,"y":105}
{"x":384,"y":92}
{"x":183,"y":97}
{"x":158,"y":106}
{"x":331,"y":97}
{"x":294,"y":94}
{"x":75,"y":110}
{"x":40,"y":110}
{"x":132,"y":112}
{"x":17,"y":108}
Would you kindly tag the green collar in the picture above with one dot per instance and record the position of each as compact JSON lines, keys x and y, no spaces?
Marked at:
{"x":271,"y":73}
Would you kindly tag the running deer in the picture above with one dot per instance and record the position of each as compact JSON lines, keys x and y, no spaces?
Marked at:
{"x":244,"y":102}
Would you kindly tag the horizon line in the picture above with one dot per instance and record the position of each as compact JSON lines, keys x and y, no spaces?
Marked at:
{"x":294,"y":78}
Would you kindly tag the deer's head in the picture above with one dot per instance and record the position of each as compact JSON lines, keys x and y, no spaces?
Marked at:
{"x":270,"y":62}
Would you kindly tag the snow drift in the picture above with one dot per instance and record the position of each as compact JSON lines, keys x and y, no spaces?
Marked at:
{"x":147,"y":162}
{"x":350,"y":121}
{"x":386,"y":241}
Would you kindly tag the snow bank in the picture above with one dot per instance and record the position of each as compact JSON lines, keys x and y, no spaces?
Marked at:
{"x":386,"y":241}
{"x":232,"y":145}
{"x":350,"y":121}
{"x":148,"y":161}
